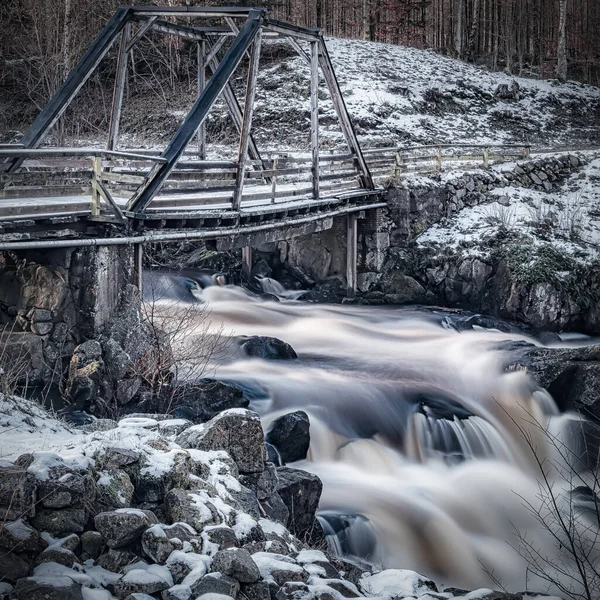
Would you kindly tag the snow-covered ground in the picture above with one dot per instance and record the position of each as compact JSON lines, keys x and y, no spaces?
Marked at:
{"x":395,"y":95}
{"x":568,"y":217}
{"x":399,"y":95}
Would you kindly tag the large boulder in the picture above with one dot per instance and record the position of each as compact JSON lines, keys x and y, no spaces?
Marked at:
{"x":62,"y":485}
{"x":216,"y":586}
{"x":237,"y":431}
{"x":61,"y":521}
{"x":236,"y":563}
{"x":268,"y":348}
{"x":200,"y":403}
{"x":123,"y":526}
{"x":300,"y":492}
{"x":290,"y":434}
{"x":571,"y":375}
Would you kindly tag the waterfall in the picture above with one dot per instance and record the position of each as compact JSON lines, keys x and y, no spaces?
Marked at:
{"x":422,"y":439}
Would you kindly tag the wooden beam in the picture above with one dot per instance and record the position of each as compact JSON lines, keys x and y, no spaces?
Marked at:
{"x":351,"y":255}
{"x":119,"y":89}
{"x":188,"y":32}
{"x":366,"y":180}
{"x":234,"y":108}
{"x":194,"y":11}
{"x":201,"y":78}
{"x":247,"y":122}
{"x":298,"y":48}
{"x":314,"y":116}
{"x":212,"y":55}
{"x":140,"y":33}
{"x":287,"y":29}
{"x":199,"y":112}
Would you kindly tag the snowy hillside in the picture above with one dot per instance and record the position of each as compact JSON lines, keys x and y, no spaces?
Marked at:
{"x":398,"y":95}
{"x":567,"y":217}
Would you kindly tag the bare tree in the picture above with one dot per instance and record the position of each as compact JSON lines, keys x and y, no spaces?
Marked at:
{"x":561,"y":67}
{"x":567,"y":508}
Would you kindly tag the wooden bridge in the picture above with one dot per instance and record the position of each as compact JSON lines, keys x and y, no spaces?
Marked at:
{"x":104,"y":196}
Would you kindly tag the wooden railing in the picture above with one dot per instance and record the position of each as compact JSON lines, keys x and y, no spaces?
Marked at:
{"x":108,"y":179}
{"x":430,"y":158}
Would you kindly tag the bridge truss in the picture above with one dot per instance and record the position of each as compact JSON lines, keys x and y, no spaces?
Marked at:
{"x":80,"y":192}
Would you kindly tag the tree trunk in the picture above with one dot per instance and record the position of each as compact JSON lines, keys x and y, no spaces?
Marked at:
{"x":561,"y":66}
{"x":459,"y":40}
{"x":474,"y":30}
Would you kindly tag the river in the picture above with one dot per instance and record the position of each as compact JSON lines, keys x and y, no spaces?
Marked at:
{"x":433,"y":456}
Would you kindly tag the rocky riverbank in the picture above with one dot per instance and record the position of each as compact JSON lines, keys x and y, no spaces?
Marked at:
{"x":158,"y":508}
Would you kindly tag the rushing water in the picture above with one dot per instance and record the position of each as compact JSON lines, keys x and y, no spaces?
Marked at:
{"x":422,"y":440}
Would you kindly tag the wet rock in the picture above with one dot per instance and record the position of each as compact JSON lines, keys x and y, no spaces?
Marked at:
{"x":300,"y":492}
{"x":123,"y":526}
{"x":18,"y":493}
{"x":268,"y":348}
{"x":236,"y":563}
{"x":216,"y":583}
{"x":571,"y":375}
{"x":290,"y":434}
{"x":47,"y":588}
{"x":202,"y":402}
{"x":193,"y":508}
{"x":237,"y":431}
{"x":400,"y":288}
{"x":157,"y":546}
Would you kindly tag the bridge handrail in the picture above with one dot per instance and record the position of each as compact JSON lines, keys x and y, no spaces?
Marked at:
{"x":69,"y":152}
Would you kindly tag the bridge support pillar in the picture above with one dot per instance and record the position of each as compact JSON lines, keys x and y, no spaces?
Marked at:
{"x":138,"y":266}
{"x":247,"y":260}
{"x":351,"y":255}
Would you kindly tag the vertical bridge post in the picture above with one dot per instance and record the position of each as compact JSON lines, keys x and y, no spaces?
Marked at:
{"x":314,"y":116}
{"x":247,"y":260}
{"x":351,"y":255}
{"x":247,"y":122}
{"x":201,"y":51}
{"x":119,"y":89}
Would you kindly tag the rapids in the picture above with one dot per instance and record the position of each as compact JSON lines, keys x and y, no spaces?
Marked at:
{"x":432,"y":455}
